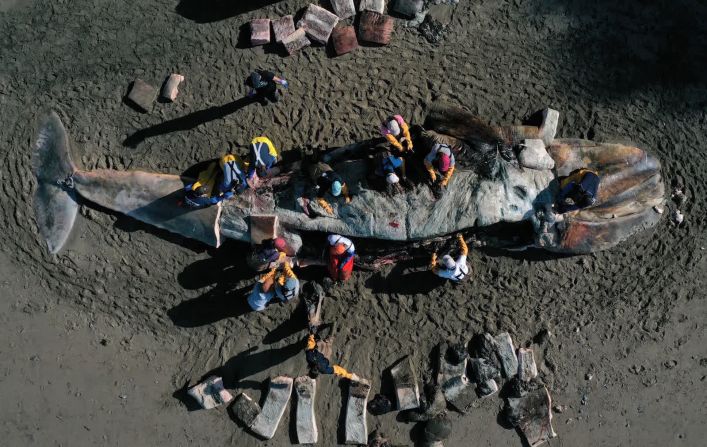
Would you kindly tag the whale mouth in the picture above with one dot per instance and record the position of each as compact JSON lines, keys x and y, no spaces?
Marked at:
{"x":54,"y":203}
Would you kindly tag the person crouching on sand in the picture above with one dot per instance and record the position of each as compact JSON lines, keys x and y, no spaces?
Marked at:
{"x":448,"y":267}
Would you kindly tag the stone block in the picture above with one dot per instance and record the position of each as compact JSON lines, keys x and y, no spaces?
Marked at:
{"x":356,"y":426}
{"x":506,"y":354}
{"x":283,"y":27}
{"x":263,"y":228}
{"x":548,"y":127}
{"x":142,"y":95}
{"x":532,"y":414}
{"x":245,"y":409}
{"x":375,"y":28}
{"x":210,"y":393}
{"x":406,"y":8}
{"x":259,"y":31}
{"x":406,"y":388}
{"x":526,"y":365}
{"x":296,"y":41}
{"x":306,"y":423}
{"x":535,"y":156}
{"x":343,"y":8}
{"x":318,"y":23}
{"x":265,"y":424}
{"x":344,"y":39}
{"x":372,"y":5}
{"x":170,"y":88}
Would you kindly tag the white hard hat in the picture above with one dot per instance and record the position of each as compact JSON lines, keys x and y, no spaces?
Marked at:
{"x":448,"y":262}
{"x":391,"y":178}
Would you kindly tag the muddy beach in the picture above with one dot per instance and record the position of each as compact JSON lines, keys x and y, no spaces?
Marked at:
{"x":102,"y":339}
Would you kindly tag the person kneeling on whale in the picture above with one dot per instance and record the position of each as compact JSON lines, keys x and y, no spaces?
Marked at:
{"x":440,"y":163}
{"x":448,"y":267}
{"x":392,"y":168}
{"x":327,"y":181}
{"x":317,"y":361}
{"x":284,"y":286}
{"x":219,"y":181}
{"x":396,"y":131}
{"x":578,"y":190}
{"x":263,"y":156}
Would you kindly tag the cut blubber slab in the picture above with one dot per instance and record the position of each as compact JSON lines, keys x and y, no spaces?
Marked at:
{"x":506,"y":354}
{"x":142,"y":95}
{"x":306,"y":388}
{"x":375,"y":28}
{"x":406,"y":388}
{"x":296,"y":41}
{"x":170,"y":89}
{"x":343,"y":8}
{"x":259,"y":31}
{"x":210,"y":393}
{"x":344,"y":39}
{"x":245,"y":409}
{"x":526,"y":364}
{"x":318,"y":23}
{"x":265,"y":424}
{"x":356,"y":429}
{"x":533,"y":416}
{"x":372,"y":5}
{"x":283,"y":27}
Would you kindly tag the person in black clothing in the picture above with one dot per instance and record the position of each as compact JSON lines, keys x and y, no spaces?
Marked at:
{"x":263,"y":86}
{"x":327,"y":181}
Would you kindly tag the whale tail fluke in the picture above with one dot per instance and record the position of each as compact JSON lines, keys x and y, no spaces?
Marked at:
{"x":55,"y":205}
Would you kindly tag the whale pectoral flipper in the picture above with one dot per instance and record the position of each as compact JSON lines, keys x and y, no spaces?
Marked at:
{"x":54,"y":204}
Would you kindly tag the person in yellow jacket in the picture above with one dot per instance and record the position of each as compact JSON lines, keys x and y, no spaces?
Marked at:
{"x":440,"y":161}
{"x":396,"y":131}
{"x":263,"y":156}
{"x":281,"y":283}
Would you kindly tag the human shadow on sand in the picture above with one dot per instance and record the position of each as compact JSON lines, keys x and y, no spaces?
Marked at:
{"x":405,"y":283}
{"x":187,"y":122}
{"x":207,"y":11}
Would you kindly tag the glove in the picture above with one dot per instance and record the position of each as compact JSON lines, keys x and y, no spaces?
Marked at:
{"x":348,"y":199}
{"x":324,"y":204}
{"x":285,"y":84}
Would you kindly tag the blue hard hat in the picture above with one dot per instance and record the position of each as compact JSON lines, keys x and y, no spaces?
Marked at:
{"x":336,"y":188}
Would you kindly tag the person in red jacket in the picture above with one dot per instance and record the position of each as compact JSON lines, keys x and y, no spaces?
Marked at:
{"x":341,"y":257}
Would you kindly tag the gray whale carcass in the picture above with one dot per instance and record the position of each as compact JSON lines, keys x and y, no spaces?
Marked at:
{"x":631,"y":185}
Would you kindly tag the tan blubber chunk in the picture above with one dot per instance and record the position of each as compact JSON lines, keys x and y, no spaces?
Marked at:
{"x":170,"y":89}
{"x":406,"y":388}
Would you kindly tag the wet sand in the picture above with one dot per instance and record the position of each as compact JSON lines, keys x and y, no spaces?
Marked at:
{"x":171,"y":311}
